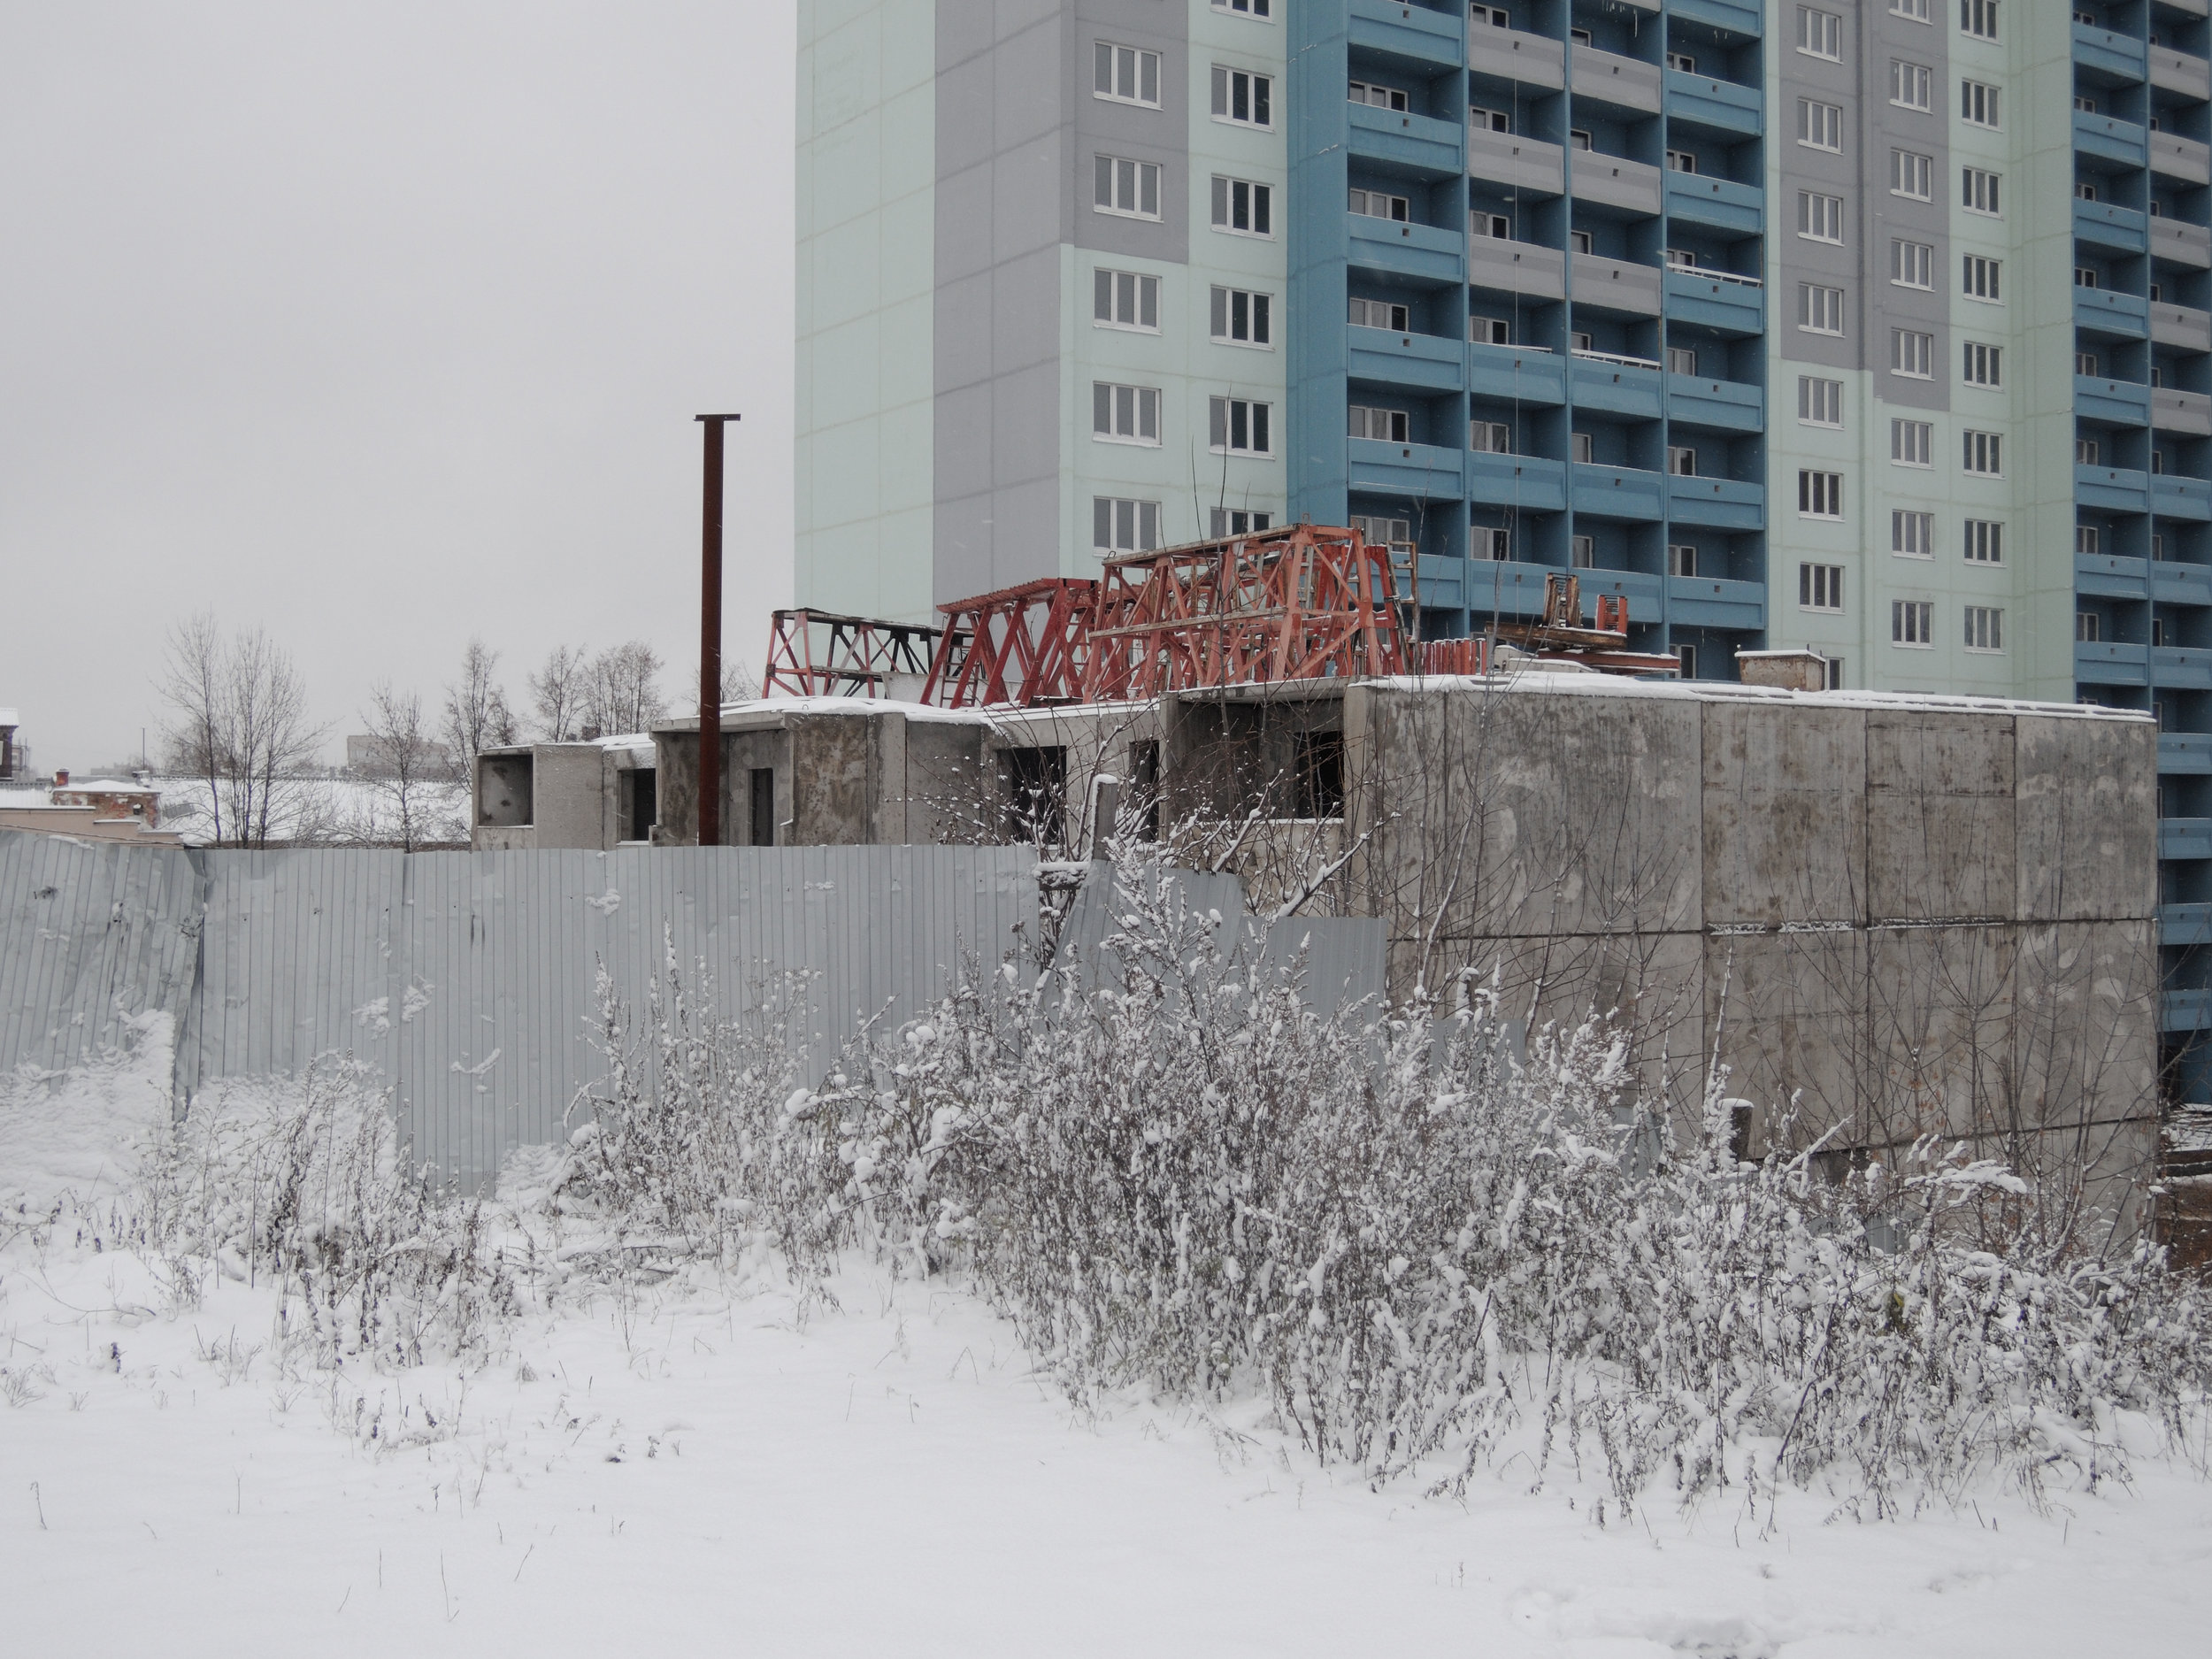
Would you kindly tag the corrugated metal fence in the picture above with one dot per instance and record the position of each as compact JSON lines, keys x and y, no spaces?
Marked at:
{"x":469,"y":979}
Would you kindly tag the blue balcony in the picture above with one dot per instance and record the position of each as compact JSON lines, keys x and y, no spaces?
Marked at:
{"x":2108,"y":576}
{"x":1517,"y":373}
{"x":1507,"y":586}
{"x":1717,"y":503}
{"x":2185,"y":1011}
{"x":1423,"y":471}
{"x":2187,"y":753}
{"x":2174,"y":496}
{"x":1414,"y":146}
{"x":1640,"y":589}
{"x":1618,"y":492}
{"x":2184,"y":838}
{"x":2115,"y":403}
{"x":1619,"y":387}
{"x":2108,"y":52}
{"x":1412,"y":253}
{"x":2108,"y":226}
{"x":2108,"y":663}
{"x":1697,"y":198}
{"x":2173,"y":584}
{"x":2181,"y":668}
{"x":1729,"y":405}
{"x":2184,"y":924}
{"x":2112,"y":488}
{"x":2111,"y":139}
{"x":1437,"y":38}
{"x":1528,"y":482}
{"x":1433,"y":363}
{"x":2111,"y":315}
{"x":1720,"y":104}
{"x":1698,"y":602}
{"x":1733,"y":305}
{"x":1738,"y":17}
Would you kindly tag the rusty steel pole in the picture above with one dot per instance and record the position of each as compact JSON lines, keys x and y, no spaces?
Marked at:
{"x":710,"y":635}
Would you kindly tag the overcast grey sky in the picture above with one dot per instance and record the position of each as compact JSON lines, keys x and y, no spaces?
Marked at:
{"x":382,"y":325}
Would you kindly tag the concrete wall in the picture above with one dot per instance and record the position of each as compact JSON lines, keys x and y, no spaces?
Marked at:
{"x":546,"y":796}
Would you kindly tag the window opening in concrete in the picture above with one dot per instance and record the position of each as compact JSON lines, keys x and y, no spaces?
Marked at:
{"x":764,"y":806}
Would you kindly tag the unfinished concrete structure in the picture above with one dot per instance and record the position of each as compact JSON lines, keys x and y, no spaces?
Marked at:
{"x":594,"y":795}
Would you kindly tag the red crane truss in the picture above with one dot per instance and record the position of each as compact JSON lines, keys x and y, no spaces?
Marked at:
{"x":814,"y":654}
{"x":1303,"y":601}
{"x":1022,"y":646}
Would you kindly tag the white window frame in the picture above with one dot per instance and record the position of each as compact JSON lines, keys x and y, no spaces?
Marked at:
{"x":1139,"y":405}
{"x":1682,"y":161}
{"x":1820,"y":587}
{"x":1259,"y":426}
{"x":1984,"y":542}
{"x":1911,"y":264}
{"x":1490,"y":331}
{"x":1820,"y":34}
{"x":1985,"y":628}
{"x":1820,"y":125}
{"x":1397,"y":210}
{"x":1912,"y":623}
{"x":1681,"y":460}
{"x":1259,"y":318}
{"x":1490,"y":437}
{"x":1108,"y":175}
{"x":2085,"y":452}
{"x":1982,"y":278}
{"x":1981,"y":191}
{"x":2086,"y":539}
{"x":1141,"y":519}
{"x":1982,"y":364}
{"x":1911,"y":85}
{"x":1257,"y":10}
{"x":1977,"y":18}
{"x":1682,"y":360}
{"x":1912,"y":175}
{"x":1682,"y":558}
{"x":1820,"y":217}
{"x":1981,"y":453}
{"x":1258,"y":201}
{"x":1378,"y":424}
{"x":1912,"y":443}
{"x":1108,"y":58}
{"x":1259,"y":96}
{"x":1815,"y":393}
{"x":1111,"y":288}
{"x":1234,"y":521}
{"x":1911,"y":354}
{"x":1395,"y":99}
{"x":1911,"y":11}
{"x":1820,"y":309}
{"x":1911,"y":534}
{"x":2088,"y":627}
{"x":1819,"y":494}
{"x":1394,"y":319}
{"x":1980,"y":105}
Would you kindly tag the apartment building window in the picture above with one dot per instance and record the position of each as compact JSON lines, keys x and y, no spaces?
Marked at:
{"x":1979,"y":190}
{"x":1820,"y":494}
{"x":2158,"y":547}
{"x":1984,"y":541}
{"x":1250,"y":8}
{"x":2158,"y":462}
{"x":1488,"y":331}
{"x":1245,"y":209}
{"x":1681,"y":161}
{"x":1125,"y":299}
{"x":1912,"y":622}
{"x":1916,"y":10}
{"x":2085,"y":452}
{"x":1490,"y":437}
{"x":1490,"y":542}
{"x":1819,"y":218}
{"x":1239,"y":521}
{"x":2087,"y":106}
{"x":1681,"y":460}
{"x":1819,"y":310}
{"x":1819,"y":125}
{"x":1576,"y":139}
{"x":1395,"y":533}
{"x":1119,"y":525}
{"x":1242,"y":98}
{"x":1911,"y":264}
{"x":2084,"y":538}
{"x":1912,"y":354}
{"x":2085,"y":276}
{"x":1681,"y":360}
{"x":1237,"y":426}
{"x":1378,"y":96}
{"x":2086,"y":363}
{"x":1912,"y":174}
{"x":1130,"y":188}
{"x":1911,"y":534}
{"x":1977,"y":103}
{"x":1819,"y":402}
{"x":1492,"y":16}
{"x":1985,"y":628}
{"x":1379,"y":314}
{"x":1980,"y":276}
{"x":2088,"y":627}
{"x":1496,"y":227}
{"x":1484,"y":120}
{"x":1819,"y":33}
{"x":1582,"y":552}
{"x":1124,"y":414}
{"x":1578,"y":447}
{"x":1578,"y":241}
{"x":1241,"y":317}
{"x":1831,"y":674}
{"x":1125,"y":75}
{"x":1367,"y":203}
{"x":1820,"y":587}
{"x":1683,"y":61}
{"x":1911,"y":86}
{"x":1681,"y":558}
{"x":1912,"y":442}
{"x":1983,"y":453}
{"x":1984,"y":366}
{"x":1978,"y":18}
{"x":2085,"y":191}
{"x":1686,"y":661}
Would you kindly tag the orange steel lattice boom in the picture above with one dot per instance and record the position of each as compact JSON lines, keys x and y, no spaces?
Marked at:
{"x":815,"y":654}
{"x":1023,"y":646}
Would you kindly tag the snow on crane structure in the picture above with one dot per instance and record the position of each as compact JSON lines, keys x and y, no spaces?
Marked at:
{"x":1024,"y":646}
{"x":815,"y":654}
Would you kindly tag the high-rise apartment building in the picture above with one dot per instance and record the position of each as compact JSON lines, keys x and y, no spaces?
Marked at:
{"x":1879,"y":327}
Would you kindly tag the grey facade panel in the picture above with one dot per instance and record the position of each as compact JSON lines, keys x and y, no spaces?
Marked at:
{"x":1100,"y":127}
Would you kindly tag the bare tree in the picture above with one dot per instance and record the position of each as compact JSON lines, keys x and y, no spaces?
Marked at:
{"x":240,"y":724}
{"x":624,"y":693}
{"x":557,"y":693}
{"x":739,"y":683}
{"x":411,"y":764}
{"x":476,"y":713}
{"x":192,"y":685}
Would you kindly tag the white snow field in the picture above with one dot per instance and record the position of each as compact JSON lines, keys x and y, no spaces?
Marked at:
{"x":704,"y":1467}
